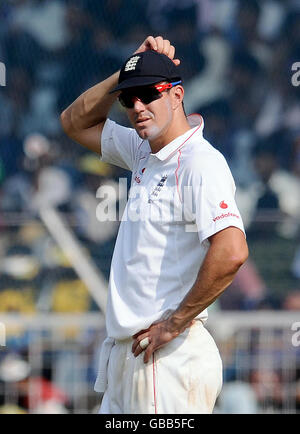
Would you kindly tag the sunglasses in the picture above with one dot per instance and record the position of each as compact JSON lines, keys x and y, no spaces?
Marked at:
{"x":145,"y":94}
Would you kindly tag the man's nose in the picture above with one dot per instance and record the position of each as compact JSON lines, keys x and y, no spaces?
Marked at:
{"x":138,"y":104}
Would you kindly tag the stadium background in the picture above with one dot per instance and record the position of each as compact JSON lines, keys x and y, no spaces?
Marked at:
{"x":237,"y":59}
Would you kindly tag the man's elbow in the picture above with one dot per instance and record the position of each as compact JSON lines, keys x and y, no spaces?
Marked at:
{"x":239,"y":257}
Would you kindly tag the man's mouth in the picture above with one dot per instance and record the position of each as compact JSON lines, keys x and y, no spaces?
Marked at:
{"x":139,"y":121}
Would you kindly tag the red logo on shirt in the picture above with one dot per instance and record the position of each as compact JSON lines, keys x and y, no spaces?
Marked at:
{"x":223,"y":205}
{"x":143,"y":170}
{"x":222,"y":216}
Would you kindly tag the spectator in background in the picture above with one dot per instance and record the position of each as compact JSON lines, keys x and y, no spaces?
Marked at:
{"x":278,"y":191}
{"x":246,"y":95}
{"x":246,"y":34}
{"x":43,"y":20}
{"x":247,"y":18}
{"x":234,"y":115}
{"x":77,"y":58}
{"x":268,"y":387}
{"x":182,"y":30}
{"x":218,"y":117}
{"x":267,"y":205}
{"x":15,"y":100}
{"x":115,"y":15}
{"x":281,"y":108}
{"x":97,"y":207}
{"x":292,"y":301}
{"x":96,"y":175}
{"x":204,"y":13}
{"x":247,"y":291}
{"x":21,"y":50}
{"x":237,"y":397}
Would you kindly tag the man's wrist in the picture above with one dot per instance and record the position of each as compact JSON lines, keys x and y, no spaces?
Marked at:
{"x":175,"y":324}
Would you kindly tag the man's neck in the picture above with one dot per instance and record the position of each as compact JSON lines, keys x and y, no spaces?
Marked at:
{"x":171,"y":134}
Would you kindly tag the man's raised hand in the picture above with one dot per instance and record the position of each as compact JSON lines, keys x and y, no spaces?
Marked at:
{"x":160,"y":45}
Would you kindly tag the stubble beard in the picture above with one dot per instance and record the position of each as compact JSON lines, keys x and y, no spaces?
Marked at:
{"x":152,"y":132}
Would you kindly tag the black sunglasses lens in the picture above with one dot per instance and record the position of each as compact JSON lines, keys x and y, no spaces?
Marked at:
{"x":150,"y":94}
{"x":146,"y":95}
{"x":126,"y":100}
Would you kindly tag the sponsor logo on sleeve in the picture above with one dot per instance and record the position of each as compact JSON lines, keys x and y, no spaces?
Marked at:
{"x":222,"y":216}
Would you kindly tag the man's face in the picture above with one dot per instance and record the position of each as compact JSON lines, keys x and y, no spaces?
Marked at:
{"x":151,"y":120}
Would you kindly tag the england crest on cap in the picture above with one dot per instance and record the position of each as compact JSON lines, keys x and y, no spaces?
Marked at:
{"x":131,"y":64}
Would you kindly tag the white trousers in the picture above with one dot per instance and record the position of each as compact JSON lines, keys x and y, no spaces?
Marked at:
{"x":184,"y":376}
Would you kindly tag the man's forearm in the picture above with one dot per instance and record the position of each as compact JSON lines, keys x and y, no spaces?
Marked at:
{"x":208,"y":286}
{"x":215,"y":275}
{"x":92,"y":107}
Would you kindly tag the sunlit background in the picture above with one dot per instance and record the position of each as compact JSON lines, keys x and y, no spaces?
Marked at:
{"x":237,"y":60}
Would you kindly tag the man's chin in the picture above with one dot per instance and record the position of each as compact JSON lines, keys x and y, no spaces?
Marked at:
{"x":147,"y":133}
{"x":142,"y":132}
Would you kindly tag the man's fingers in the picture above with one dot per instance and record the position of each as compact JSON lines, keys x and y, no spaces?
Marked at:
{"x":139,"y":333}
{"x":148,"y":353}
{"x":135,"y":345}
{"x":171,"y":52}
{"x":137,"y":351}
{"x":151,"y":43}
{"x":136,"y":348}
{"x":166,"y":47}
{"x":160,"y":44}
{"x":168,"y":50}
{"x":148,"y":44}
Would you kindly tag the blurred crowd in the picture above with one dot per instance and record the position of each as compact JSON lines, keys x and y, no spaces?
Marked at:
{"x":236,"y":60}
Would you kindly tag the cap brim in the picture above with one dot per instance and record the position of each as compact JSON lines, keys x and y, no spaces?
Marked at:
{"x":138,"y":81}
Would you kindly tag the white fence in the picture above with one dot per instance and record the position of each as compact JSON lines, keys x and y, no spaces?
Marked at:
{"x":49,"y":362}
{"x":261,"y":357}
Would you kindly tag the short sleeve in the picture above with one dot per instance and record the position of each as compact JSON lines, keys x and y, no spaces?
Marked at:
{"x":211,"y":196}
{"x":119,"y":145}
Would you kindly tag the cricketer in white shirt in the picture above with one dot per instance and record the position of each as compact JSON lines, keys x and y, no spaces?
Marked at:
{"x":179,"y":197}
{"x":180,"y":241}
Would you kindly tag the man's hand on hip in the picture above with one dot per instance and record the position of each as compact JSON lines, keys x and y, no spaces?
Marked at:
{"x":155,"y":337}
{"x":162,"y":46}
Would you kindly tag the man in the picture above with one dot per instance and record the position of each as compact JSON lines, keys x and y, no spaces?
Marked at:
{"x":166,"y":270}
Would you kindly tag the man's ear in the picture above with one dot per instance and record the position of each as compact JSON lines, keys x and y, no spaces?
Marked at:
{"x":178,"y":94}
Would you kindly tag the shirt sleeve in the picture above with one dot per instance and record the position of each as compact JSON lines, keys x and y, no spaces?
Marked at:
{"x":211,"y":200}
{"x":119,"y":145}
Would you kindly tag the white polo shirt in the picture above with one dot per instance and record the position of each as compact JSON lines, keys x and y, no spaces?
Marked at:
{"x":179,"y":197}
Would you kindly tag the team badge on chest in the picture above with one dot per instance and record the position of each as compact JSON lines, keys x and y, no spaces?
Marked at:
{"x":157,"y":189}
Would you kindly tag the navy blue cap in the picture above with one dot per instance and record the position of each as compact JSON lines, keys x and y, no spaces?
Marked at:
{"x":146,"y":68}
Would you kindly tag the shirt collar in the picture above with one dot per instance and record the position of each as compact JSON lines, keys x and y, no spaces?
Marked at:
{"x":196,"y":123}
